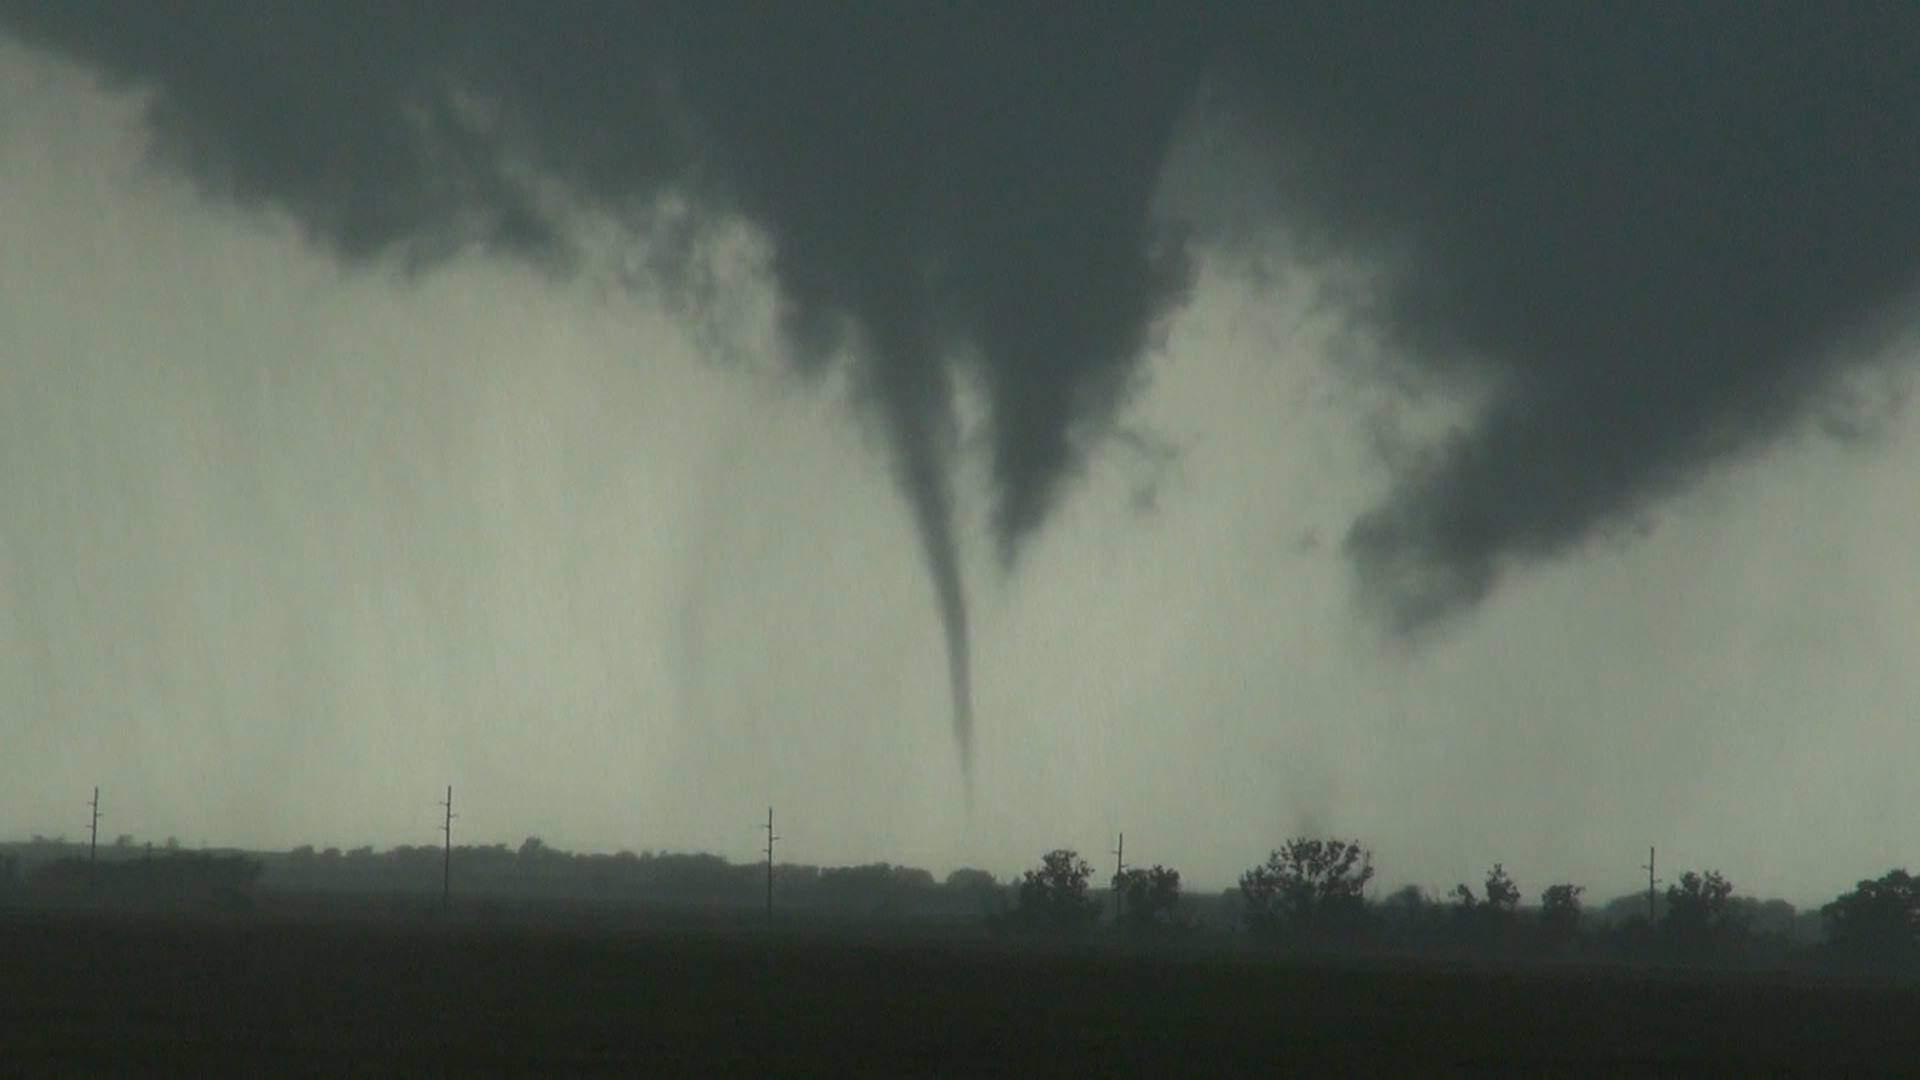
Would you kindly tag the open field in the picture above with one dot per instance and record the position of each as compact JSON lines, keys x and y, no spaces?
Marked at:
{"x":111,"y":993}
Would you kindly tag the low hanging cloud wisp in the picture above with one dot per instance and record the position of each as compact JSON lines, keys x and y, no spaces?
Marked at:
{"x":1656,"y":234}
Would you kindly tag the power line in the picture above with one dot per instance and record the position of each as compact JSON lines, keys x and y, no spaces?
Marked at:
{"x":446,"y":853}
{"x":1651,"y":882}
{"x":770,"y":839}
{"x":93,"y":840}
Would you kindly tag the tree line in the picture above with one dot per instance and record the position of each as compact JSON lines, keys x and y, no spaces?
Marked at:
{"x":1309,"y":894}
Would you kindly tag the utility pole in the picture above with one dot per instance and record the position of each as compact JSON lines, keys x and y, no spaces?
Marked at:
{"x":1651,"y":882}
{"x":770,"y":839}
{"x":446,"y":854}
{"x":1119,"y":867}
{"x":93,"y":840}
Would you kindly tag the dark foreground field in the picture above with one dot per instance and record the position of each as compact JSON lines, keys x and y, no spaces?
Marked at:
{"x":116,"y":994}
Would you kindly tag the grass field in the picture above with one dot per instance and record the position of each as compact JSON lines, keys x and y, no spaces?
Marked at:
{"x":116,"y":993}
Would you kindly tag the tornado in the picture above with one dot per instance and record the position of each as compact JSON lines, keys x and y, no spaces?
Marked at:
{"x":927,"y":493}
{"x":915,"y":396}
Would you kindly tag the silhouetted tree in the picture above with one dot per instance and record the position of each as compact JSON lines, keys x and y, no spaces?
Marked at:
{"x":1775,"y":918}
{"x":976,"y":890}
{"x":1309,"y":889}
{"x":1149,"y":899}
{"x":1411,"y":920}
{"x":1503,"y":896}
{"x":969,"y":880}
{"x":1700,"y":922}
{"x":1053,"y":898}
{"x":1560,"y":915}
{"x":1878,"y":923}
{"x":877,"y":887}
{"x":1486,"y":923}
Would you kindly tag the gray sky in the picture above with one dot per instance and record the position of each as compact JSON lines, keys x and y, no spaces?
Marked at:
{"x":313,"y":510}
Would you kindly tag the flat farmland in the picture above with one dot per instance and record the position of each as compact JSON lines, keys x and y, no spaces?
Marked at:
{"x":100,"y":993}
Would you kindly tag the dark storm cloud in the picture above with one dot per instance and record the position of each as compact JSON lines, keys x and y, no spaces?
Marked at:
{"x":1650,"y":231}
{"x":939,"y":182}
{"x":1654,"y":230}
